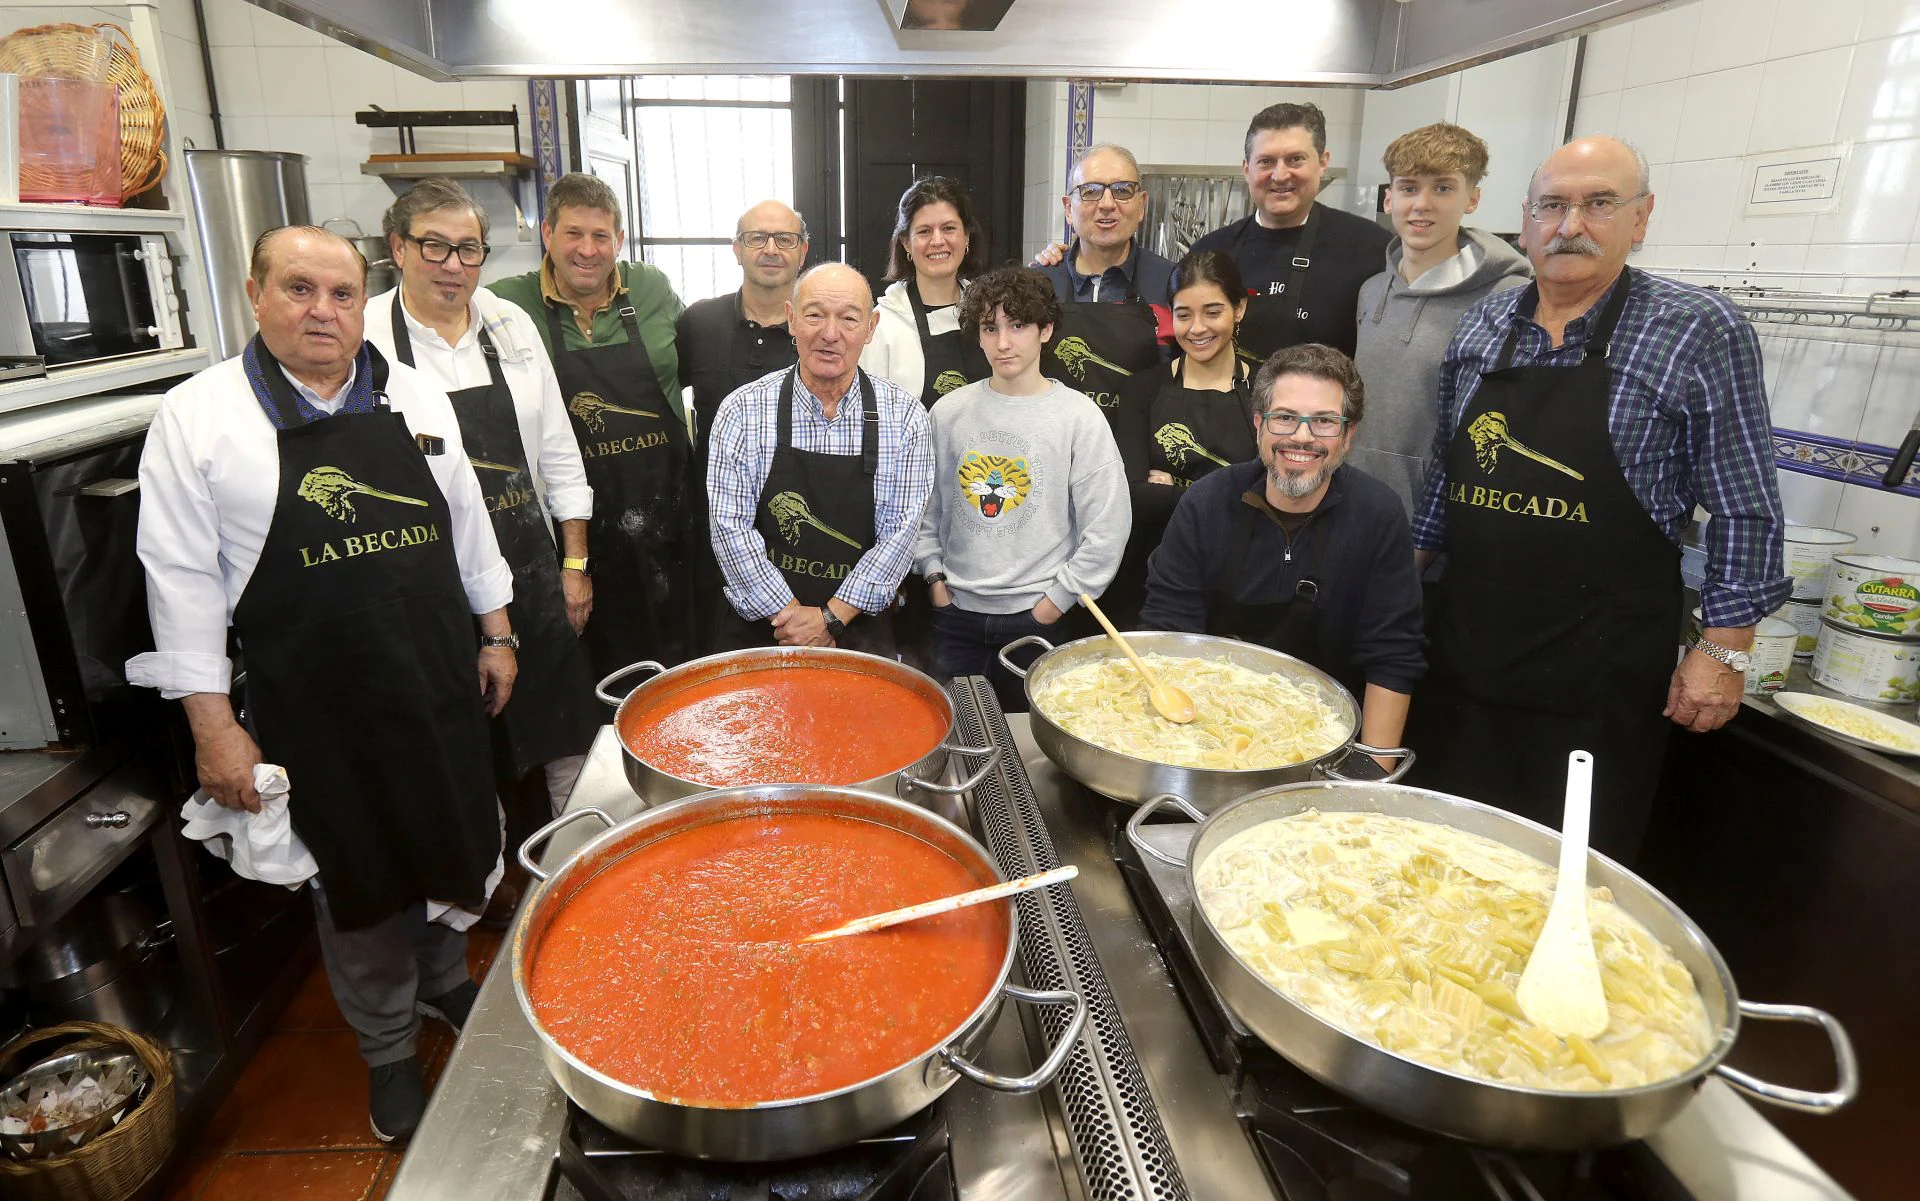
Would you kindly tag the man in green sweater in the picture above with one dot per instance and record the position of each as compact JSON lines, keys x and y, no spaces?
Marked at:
{"x":609,"y":327}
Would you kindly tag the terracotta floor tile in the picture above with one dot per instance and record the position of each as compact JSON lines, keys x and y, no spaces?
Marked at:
{"x":482,"y":946}
{"x":436,"y":1043}
{"x":313,"y":1096}
{"x":257,"y":1080}
{"x":385,"y":1182}
{"x":190,"y":1177}
{"x":297,"y":1176}
{"x":313,"y":1007}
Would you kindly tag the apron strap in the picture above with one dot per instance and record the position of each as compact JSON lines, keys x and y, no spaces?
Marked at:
{"x":1297,"y":276}
{"x":403,"y":345}
{"x":919,"y":310}
{"x":1598,"y":338}
{"x":287,"y":409}
{"x":869,"y":420}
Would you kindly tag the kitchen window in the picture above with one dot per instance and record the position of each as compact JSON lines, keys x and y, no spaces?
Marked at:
{"x":709,"y":146}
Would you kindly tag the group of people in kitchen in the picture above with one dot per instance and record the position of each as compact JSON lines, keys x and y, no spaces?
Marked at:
{"x":1449,"y":474}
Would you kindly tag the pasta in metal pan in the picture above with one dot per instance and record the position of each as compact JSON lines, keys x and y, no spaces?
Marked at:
{"x":1247,"y":719}
{"x":1413,"y":936}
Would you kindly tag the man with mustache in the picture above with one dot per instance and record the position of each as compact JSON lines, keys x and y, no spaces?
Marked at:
{"x":1298,"y":551}
{"x":1582,"y":419}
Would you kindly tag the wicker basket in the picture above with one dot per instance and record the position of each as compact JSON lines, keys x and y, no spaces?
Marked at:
{"x":72,"y":51}
{"x":114,"y":1165}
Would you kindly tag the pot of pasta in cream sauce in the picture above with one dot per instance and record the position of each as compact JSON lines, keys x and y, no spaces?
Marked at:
{"x":1374,"y":935}
{"x":1264,"y":718}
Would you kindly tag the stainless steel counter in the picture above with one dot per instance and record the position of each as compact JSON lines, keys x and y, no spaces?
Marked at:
{"x":496,"y":1117}
{"x":1892,"y":777}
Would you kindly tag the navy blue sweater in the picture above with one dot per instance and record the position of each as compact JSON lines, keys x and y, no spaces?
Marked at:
{"x":1368,"y":615}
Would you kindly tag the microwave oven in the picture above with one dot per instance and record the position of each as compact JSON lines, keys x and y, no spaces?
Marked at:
{"x":70,"y":297}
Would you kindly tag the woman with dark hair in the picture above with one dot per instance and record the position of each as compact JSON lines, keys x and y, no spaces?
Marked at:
{"x":937,"y":246}
{"x":1177,"y":423}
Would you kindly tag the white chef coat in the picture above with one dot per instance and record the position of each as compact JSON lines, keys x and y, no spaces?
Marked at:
{"x":209,"y":479}
{"x":546,"y":436}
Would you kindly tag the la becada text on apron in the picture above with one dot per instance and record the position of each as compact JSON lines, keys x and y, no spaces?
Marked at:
{"x":1097,"y":345}
{"x":361,"y":657}
{"x":954,"y":359}
{"x":816,"y":517}
{"x":552,"y":712}
{"x":1562,"y":596}
{"x":636,"y":453}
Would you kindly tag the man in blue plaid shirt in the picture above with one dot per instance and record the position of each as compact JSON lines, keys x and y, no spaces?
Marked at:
{"x":1581,"y":421}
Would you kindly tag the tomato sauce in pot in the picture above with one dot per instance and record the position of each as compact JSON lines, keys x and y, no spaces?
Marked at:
{"x":785,"y":725}
{"x":677,"y":969}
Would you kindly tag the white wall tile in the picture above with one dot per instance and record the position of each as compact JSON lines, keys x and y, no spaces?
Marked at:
{"x":357,"y":80}
{"x":1717,"y":114}
{"x":1597,"y":114}
{"x":1177,"y":141}
{"x":293,"y":82}
{"x":1822,"y":386}
{"x":1234,"y":102}
{"x":1648,"y":118}
{"x":1879,"y":198}
{"x":1604,"y":69}
{"x":1132,"y":132}
{"x":1886,"y":523}
{"x":186,"y":76}
{"x":315,"y":137}
{"x":229,"y":22}
{"x":1811,"y":499}
{"x":1883,"y":91}
{"x":1884,"y":18}
{"x":1800,"y":100}
{"x":176,"y":20}
{"x":1663,"y":45}
{"x":1800,"y":26}
{"x":326,"y":201}
{"x":236,"y":74}
{"x":354,"y":143}
{"x":1733,"y":33}
{"x":247,"y":133}
{"x":412,"y":91}
{"x":194,"y":127}
{"x":1180,"y":101}
{"x":1893,"y":397}
{"x":1225,"y":144}
{"x":1128,"y":100}
{"x":270,"y":29}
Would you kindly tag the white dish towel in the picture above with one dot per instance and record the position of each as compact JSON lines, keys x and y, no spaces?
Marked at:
{"x":263,"y":846}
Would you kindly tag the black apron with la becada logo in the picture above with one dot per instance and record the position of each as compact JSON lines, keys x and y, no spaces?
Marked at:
{"x":1557,"y":622}
{"x":954,"y":359}
{"x":1096,"y":346}
{"x":1199,"y":430}
{"x":816,"y":518}
{"x":362,"y":664}
{"x":552,"y":712}
{"x":637,"y":455}
{"x":1273,"y":320}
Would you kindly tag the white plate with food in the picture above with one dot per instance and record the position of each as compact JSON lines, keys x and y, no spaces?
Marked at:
{"x":1852,"y":723}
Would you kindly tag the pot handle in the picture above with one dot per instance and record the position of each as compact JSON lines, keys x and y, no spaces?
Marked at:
{"x":549,"y":830}
{"x":1043,"y":1075}
{"x":991,"y":752}
{"x":1804,"y":1100}
{"x":1016,"y":644}
{"x":1139,"y":819}
{"x":1406,"y":757}
{"x":600,"y":689}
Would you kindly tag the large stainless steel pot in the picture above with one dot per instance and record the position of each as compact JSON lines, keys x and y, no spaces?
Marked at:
{"x":657,"y":787}
{"x":1132,"y":779}
{"x":1463,"y":1106}
{"x":99,"y":963}
{"x":800,"y":1125}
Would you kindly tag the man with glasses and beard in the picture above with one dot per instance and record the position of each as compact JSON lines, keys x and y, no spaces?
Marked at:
{"x":1297,"y":551}
{"x":727,"y":342}
{"x":1582,"y":419}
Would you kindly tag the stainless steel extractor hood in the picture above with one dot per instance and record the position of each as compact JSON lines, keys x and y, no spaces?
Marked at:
{"x":1366,"y":43}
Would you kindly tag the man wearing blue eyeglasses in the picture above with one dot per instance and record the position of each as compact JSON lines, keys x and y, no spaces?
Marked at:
{"x":1298,"y":552}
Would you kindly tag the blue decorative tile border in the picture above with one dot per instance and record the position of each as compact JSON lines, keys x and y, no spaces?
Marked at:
{"x":543,"y":103}
{"x":1850,"y":462}
{"x":1079,"y":134}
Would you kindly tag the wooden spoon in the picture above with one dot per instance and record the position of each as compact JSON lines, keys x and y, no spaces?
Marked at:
{"x":913,"y":913}
{"x":1560,"y":989}
{"x":1167,"y":700}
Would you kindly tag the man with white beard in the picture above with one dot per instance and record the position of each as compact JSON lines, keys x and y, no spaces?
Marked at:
{"x":1297,"y":551}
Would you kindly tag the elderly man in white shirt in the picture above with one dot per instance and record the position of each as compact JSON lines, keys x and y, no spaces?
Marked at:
{"x":314,"y":502}
{"x":487,"y":355}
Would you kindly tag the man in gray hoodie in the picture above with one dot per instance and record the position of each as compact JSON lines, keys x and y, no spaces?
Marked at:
{"x":1435,"y":272}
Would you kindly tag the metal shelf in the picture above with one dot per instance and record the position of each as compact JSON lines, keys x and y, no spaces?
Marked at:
{"x":87,"y":219}
{"x":65,"y":383}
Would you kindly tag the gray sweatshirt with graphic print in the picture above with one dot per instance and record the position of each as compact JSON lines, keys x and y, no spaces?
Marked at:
{"x":1404,"y":331}
{"x":1029,"y":499}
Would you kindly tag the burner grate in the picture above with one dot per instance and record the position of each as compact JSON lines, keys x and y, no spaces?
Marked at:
{"x":1119,"y":1143}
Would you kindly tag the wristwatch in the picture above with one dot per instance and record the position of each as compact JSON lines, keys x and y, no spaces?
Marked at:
{"x":510,"y":641}
{"x":1737,"y":660}
{"x":579,"y":565}
{"x":835,"y":626}
{"x":936,"y":577}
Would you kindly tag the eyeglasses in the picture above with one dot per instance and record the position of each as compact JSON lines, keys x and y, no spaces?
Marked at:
{"x":1321,"y":425}
{"x":1600,"y":208}
{"x":472,"y":254}
{"x":757,"y":239}
{"x":1123,"y":191}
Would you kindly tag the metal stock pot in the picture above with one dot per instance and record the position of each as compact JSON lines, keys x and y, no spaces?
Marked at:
{"x":1469,"y":1107}
{"x":657,"y":787}
{"x":1132,"y":779}
{"x":789,"y":1127}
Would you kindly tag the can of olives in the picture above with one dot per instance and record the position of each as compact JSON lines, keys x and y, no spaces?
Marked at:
{"x":1873,"y":667}
{"x":1875,"y":594}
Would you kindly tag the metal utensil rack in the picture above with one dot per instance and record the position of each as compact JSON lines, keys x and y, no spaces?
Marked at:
{"x":1878,"y":312}
{"x":1118,"y":1140}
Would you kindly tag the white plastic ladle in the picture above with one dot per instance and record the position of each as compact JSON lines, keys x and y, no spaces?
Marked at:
{"x":1560,"y":988}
